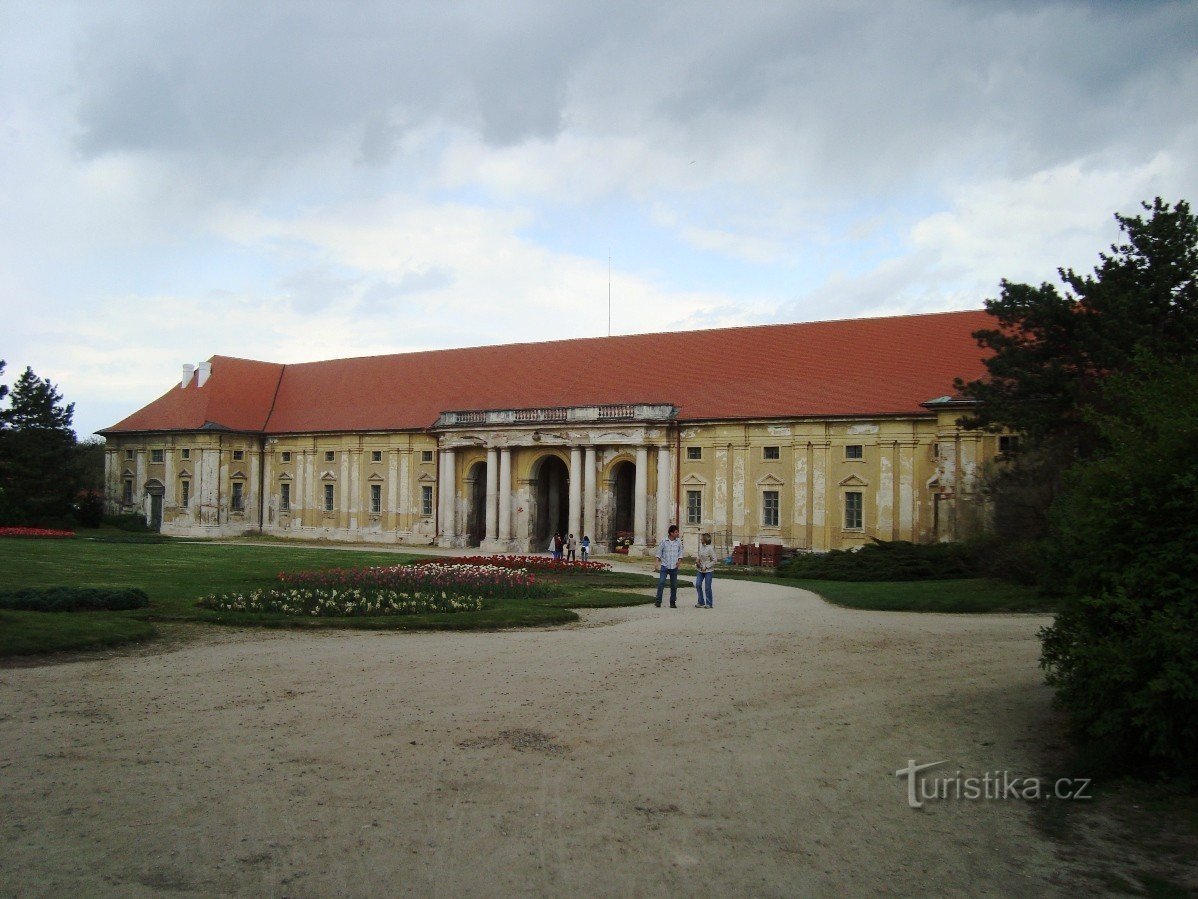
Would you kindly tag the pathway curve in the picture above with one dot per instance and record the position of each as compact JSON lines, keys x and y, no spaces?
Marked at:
{"x":746,"y":750}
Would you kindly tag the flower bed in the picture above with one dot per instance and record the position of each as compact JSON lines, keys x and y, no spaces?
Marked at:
{"x":535,"y":563}
{"x":453,"y":579}
{"x":390,"y":590}
{"x":330,"y":602}
{"x":35,"y":532}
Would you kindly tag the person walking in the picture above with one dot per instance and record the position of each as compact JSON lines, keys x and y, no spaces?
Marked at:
{"x":668,"y":554}
{"x":705,"y":564}
{"x":572,"y":548}
{"x":586,"y":547}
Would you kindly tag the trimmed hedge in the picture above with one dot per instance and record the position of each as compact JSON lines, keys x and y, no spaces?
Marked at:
{"x":897,"y":560}
{"x":74,"y":599}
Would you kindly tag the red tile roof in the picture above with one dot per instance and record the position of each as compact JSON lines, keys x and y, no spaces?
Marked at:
{"x":237,"y":397}
{"x":853,"y":367}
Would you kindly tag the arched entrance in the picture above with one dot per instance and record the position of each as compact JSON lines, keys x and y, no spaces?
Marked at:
{"x":553,"y":501}
{"x":155,"y":491}
{"x":623,"y":482}
{"x":476,"y":513}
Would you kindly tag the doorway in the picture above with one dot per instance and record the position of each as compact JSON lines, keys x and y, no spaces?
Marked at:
{"x":553,"y":501}
{"x":476,"y":515}
{"x":623,"y":485}
{"x":155,"y":508}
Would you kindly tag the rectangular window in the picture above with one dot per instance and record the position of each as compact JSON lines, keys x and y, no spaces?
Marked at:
{"x":854,"y":451}
{"x":129,"y":455}
{"x":186,"y":454}
{"x":771,"y":452}
{"x":694,"y":507}
{"x":426,"y":455}
{"x":185,"y":493}
{"x":328,"y":497}
{"x":376,"y":498}
{"x":284,"y":497}
{"x":238,"y":455}
{"x":157,"y":455}
{"x":853,"y":510}
{"x":694,"y":453}
{"x":1008,"y":444}
{"x":769,"y":508}
{"x":286,"y":456}
{"x":238,"y":496}
{"x":426,"y":500}
{"x":127,"y":492}
{"x":376,"y":455}
{"x":329,"y":455}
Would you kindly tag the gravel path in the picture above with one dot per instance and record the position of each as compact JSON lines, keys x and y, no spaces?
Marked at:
{"x":746,"y":750}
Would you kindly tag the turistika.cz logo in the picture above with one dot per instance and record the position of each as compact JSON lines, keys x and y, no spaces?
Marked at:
{"x":1001,"y":786}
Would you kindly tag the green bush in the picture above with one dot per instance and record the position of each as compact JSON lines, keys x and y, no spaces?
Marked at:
{"x":73,"y":599}
{"x":89,"y":508}
{"x":1123,"y":654}
{"x":886,"y":561}
{"x":134,"y":524}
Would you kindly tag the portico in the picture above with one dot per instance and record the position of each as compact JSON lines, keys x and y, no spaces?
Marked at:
{"x":524,"y":451}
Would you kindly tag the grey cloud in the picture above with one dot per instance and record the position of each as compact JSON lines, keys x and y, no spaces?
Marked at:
{"x":381,"y":296}
{"x":315,"y":289}
{"x":852,"y":93}
{"x":275,"y":80}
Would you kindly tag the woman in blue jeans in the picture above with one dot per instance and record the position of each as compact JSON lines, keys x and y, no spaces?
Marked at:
{"x":705,"y":563}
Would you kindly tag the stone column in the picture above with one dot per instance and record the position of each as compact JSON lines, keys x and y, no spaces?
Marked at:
{"x":505,"y":496}
{"x":640,"y":499}
{"x":447,"y":501}
{"x":403,"y":508}
{"x":349,"y":504}
{"x":575,"y":512}
{"x":391,"y":513}
{"x":266,"y":505}
{"x":740,"y":531}
{"x":589,"y":496}
{"x":492,"y":495}
{"x":299,"y":488}
{"x":665,"y":510}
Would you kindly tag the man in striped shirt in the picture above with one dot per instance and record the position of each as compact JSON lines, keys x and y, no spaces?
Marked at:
{"x":669,"y":554}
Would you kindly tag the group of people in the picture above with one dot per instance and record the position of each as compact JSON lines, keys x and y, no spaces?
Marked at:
{"x":668,"y":555}
{"x":569,"y":546}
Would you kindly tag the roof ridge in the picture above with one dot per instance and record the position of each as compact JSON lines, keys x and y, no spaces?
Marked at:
{"x":564,"y":340}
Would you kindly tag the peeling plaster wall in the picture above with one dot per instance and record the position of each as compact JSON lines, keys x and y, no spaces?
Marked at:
{"x":811,"y":472}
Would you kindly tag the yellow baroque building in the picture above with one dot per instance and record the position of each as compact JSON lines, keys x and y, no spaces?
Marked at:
{"x":817,"y":436}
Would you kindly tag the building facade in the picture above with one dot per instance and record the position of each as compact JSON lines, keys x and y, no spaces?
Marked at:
{"x":240,"y":447}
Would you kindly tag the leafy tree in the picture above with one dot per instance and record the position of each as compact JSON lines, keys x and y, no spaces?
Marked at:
{"x":1123,"y":654}
{"x":38,"y":475}
{"x":1052,"y":351}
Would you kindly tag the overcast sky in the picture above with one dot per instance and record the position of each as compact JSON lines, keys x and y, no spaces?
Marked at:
{"x":293,"y":181}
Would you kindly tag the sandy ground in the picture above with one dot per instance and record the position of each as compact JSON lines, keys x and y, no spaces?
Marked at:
{"x":751,"y":749}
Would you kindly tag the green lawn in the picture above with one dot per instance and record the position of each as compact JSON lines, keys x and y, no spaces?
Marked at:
{"x":176,"y":574}
{"x":966,"y":595}
{"x":23,"y":633}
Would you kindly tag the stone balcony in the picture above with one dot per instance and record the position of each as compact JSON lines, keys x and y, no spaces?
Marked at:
{"x":618,"y":412}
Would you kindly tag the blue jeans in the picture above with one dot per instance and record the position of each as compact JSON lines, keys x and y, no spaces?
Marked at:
{"x":702,"y":579}
{"x":672,"y":574}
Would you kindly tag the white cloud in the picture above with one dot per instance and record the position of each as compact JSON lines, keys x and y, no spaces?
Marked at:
{"x":303,"y":181}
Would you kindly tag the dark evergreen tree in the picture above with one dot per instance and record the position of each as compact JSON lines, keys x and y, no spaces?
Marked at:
{"x":1123,"y":652}
{"x":1052,"y":351}
{"x":38,"y":475}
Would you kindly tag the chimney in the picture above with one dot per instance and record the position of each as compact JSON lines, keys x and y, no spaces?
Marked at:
{"x":187,"y":370}
{"x":205,"y":372}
